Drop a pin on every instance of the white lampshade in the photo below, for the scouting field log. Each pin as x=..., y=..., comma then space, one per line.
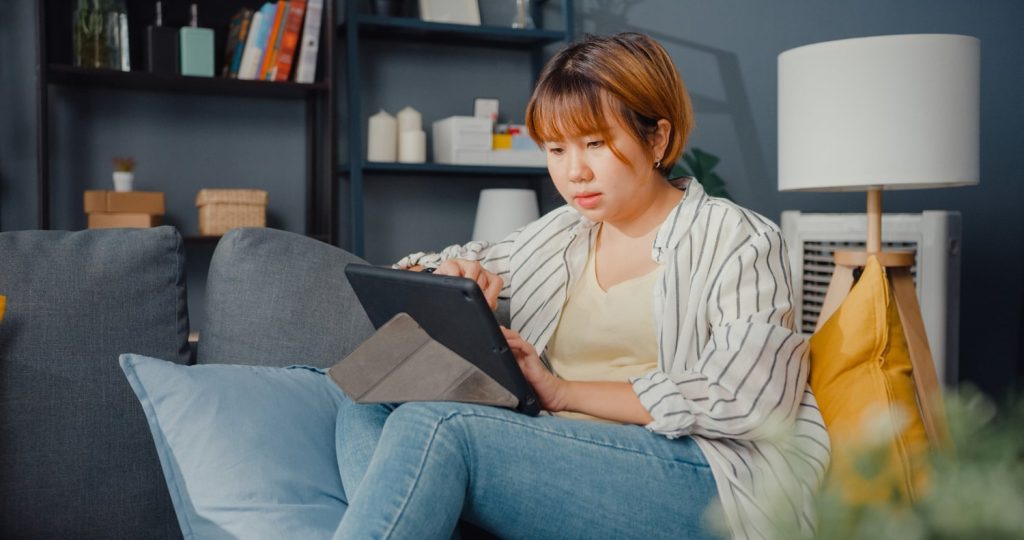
x=501, y=211
x=895, y=112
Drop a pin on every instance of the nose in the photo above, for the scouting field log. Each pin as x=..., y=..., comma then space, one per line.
x=579, y=169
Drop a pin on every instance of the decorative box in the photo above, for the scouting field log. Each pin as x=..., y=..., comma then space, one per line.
x=223, y=209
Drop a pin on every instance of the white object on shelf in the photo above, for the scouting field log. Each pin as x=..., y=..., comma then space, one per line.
x=409, y=119
x=305, y=72
x=496, y=158
x=486, y=108
x=412, y=146
x=457, y=134
x=501, y=211
x=382, y=138
x=450, y=11
x=123, y=180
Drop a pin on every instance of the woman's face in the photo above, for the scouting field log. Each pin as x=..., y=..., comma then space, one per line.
x=595, y=182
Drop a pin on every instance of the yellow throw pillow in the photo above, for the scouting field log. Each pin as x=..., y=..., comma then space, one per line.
x=862, y=377
x=3, y=306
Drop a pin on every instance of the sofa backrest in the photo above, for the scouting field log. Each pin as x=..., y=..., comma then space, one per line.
x=276, y=298
x=76, y=456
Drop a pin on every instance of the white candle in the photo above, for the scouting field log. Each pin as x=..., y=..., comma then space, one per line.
x=409, y=119
x=382, y=138
x=412, y=146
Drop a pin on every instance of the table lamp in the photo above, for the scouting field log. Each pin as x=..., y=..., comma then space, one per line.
x=880, y=113
x=501, y=211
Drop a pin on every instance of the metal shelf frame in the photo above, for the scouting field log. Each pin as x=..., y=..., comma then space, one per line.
x=359, y=27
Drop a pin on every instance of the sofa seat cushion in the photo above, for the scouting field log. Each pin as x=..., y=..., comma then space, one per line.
x=277, y=298
x=77, y=458
x=247, y=451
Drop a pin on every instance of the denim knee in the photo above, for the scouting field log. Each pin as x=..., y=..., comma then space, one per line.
x=440, y=419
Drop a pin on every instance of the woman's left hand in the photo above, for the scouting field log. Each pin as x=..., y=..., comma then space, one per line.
x=550, y=389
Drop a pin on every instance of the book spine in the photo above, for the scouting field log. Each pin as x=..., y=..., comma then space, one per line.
x=253, y=46
x=271, y=49
x=306, y=72
x=243, y=36
x=234, y=35
x=290, y=40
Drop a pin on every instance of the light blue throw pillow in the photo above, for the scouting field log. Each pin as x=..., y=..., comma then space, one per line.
x=247, y=451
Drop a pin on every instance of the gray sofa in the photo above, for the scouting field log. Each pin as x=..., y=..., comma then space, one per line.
x=76, y=456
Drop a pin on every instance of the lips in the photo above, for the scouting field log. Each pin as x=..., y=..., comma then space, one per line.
x=588, y=199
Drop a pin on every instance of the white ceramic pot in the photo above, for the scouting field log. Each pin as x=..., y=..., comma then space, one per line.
x=123, y=180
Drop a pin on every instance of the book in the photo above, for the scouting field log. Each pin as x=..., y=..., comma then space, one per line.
x=289, y=40
x=273, y=40
x=257, y=39
x=306, y=71
x=237, y=29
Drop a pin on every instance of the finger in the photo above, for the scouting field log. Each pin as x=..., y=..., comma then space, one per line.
x=470, y=270
x=447, y=268
x=492, y=290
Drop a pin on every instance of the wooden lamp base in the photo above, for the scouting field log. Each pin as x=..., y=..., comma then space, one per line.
x=897, y=265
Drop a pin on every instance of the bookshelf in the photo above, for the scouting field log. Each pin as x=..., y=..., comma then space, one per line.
x=55, y=69
x=359, y=28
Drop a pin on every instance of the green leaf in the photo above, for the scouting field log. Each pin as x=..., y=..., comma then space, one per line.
x=699, y=164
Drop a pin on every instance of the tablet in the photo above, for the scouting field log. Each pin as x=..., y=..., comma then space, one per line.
x=453, y=311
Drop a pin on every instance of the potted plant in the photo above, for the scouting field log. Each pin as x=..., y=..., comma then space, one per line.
x=699, y=164
x=124, y=173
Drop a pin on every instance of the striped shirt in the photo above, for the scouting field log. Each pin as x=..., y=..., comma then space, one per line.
x=732, y=371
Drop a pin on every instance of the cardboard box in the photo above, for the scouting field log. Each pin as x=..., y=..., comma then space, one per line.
x=132, y=202
x=106, y=220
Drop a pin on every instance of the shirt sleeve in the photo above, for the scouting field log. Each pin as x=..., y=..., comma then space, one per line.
x=750, y=376
x=493, y=256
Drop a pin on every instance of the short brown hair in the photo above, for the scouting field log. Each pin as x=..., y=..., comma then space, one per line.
x=630, y=73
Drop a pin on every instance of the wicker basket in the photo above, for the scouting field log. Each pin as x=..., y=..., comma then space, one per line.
x=223, y=209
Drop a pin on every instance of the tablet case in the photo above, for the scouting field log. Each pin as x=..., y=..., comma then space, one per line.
x=451, y=310
x=401, y=362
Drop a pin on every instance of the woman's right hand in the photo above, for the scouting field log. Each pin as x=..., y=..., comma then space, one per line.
x=489, y=282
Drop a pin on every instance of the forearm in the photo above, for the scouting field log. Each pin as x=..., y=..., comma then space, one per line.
x=614, y=401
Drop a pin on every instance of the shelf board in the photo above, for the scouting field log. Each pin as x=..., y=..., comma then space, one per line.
x=179, y=84
x=409, y=29
x=441, y=168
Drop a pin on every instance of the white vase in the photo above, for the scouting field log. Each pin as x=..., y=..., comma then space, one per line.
x=123, y=180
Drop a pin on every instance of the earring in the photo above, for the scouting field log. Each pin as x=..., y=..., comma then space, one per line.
x=657, y=164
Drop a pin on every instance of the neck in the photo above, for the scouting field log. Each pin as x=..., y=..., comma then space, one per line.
x=654, y=206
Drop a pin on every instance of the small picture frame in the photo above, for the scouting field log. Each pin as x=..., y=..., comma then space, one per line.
x=450, y=11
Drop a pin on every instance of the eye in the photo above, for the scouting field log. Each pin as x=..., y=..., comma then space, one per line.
x=555, y=150
x=595, y=144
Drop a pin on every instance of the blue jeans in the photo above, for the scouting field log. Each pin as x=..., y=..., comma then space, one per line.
x=414, y=470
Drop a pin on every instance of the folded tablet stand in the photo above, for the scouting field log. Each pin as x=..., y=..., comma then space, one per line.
x=401, y=362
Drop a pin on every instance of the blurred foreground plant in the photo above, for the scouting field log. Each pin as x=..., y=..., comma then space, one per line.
x=975, y=491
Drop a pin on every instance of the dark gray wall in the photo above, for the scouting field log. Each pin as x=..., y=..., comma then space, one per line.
x=726, y=51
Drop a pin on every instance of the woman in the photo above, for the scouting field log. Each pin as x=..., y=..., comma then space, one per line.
x=642, y=303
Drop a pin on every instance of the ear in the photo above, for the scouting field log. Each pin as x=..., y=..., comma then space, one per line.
x=659, y=139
